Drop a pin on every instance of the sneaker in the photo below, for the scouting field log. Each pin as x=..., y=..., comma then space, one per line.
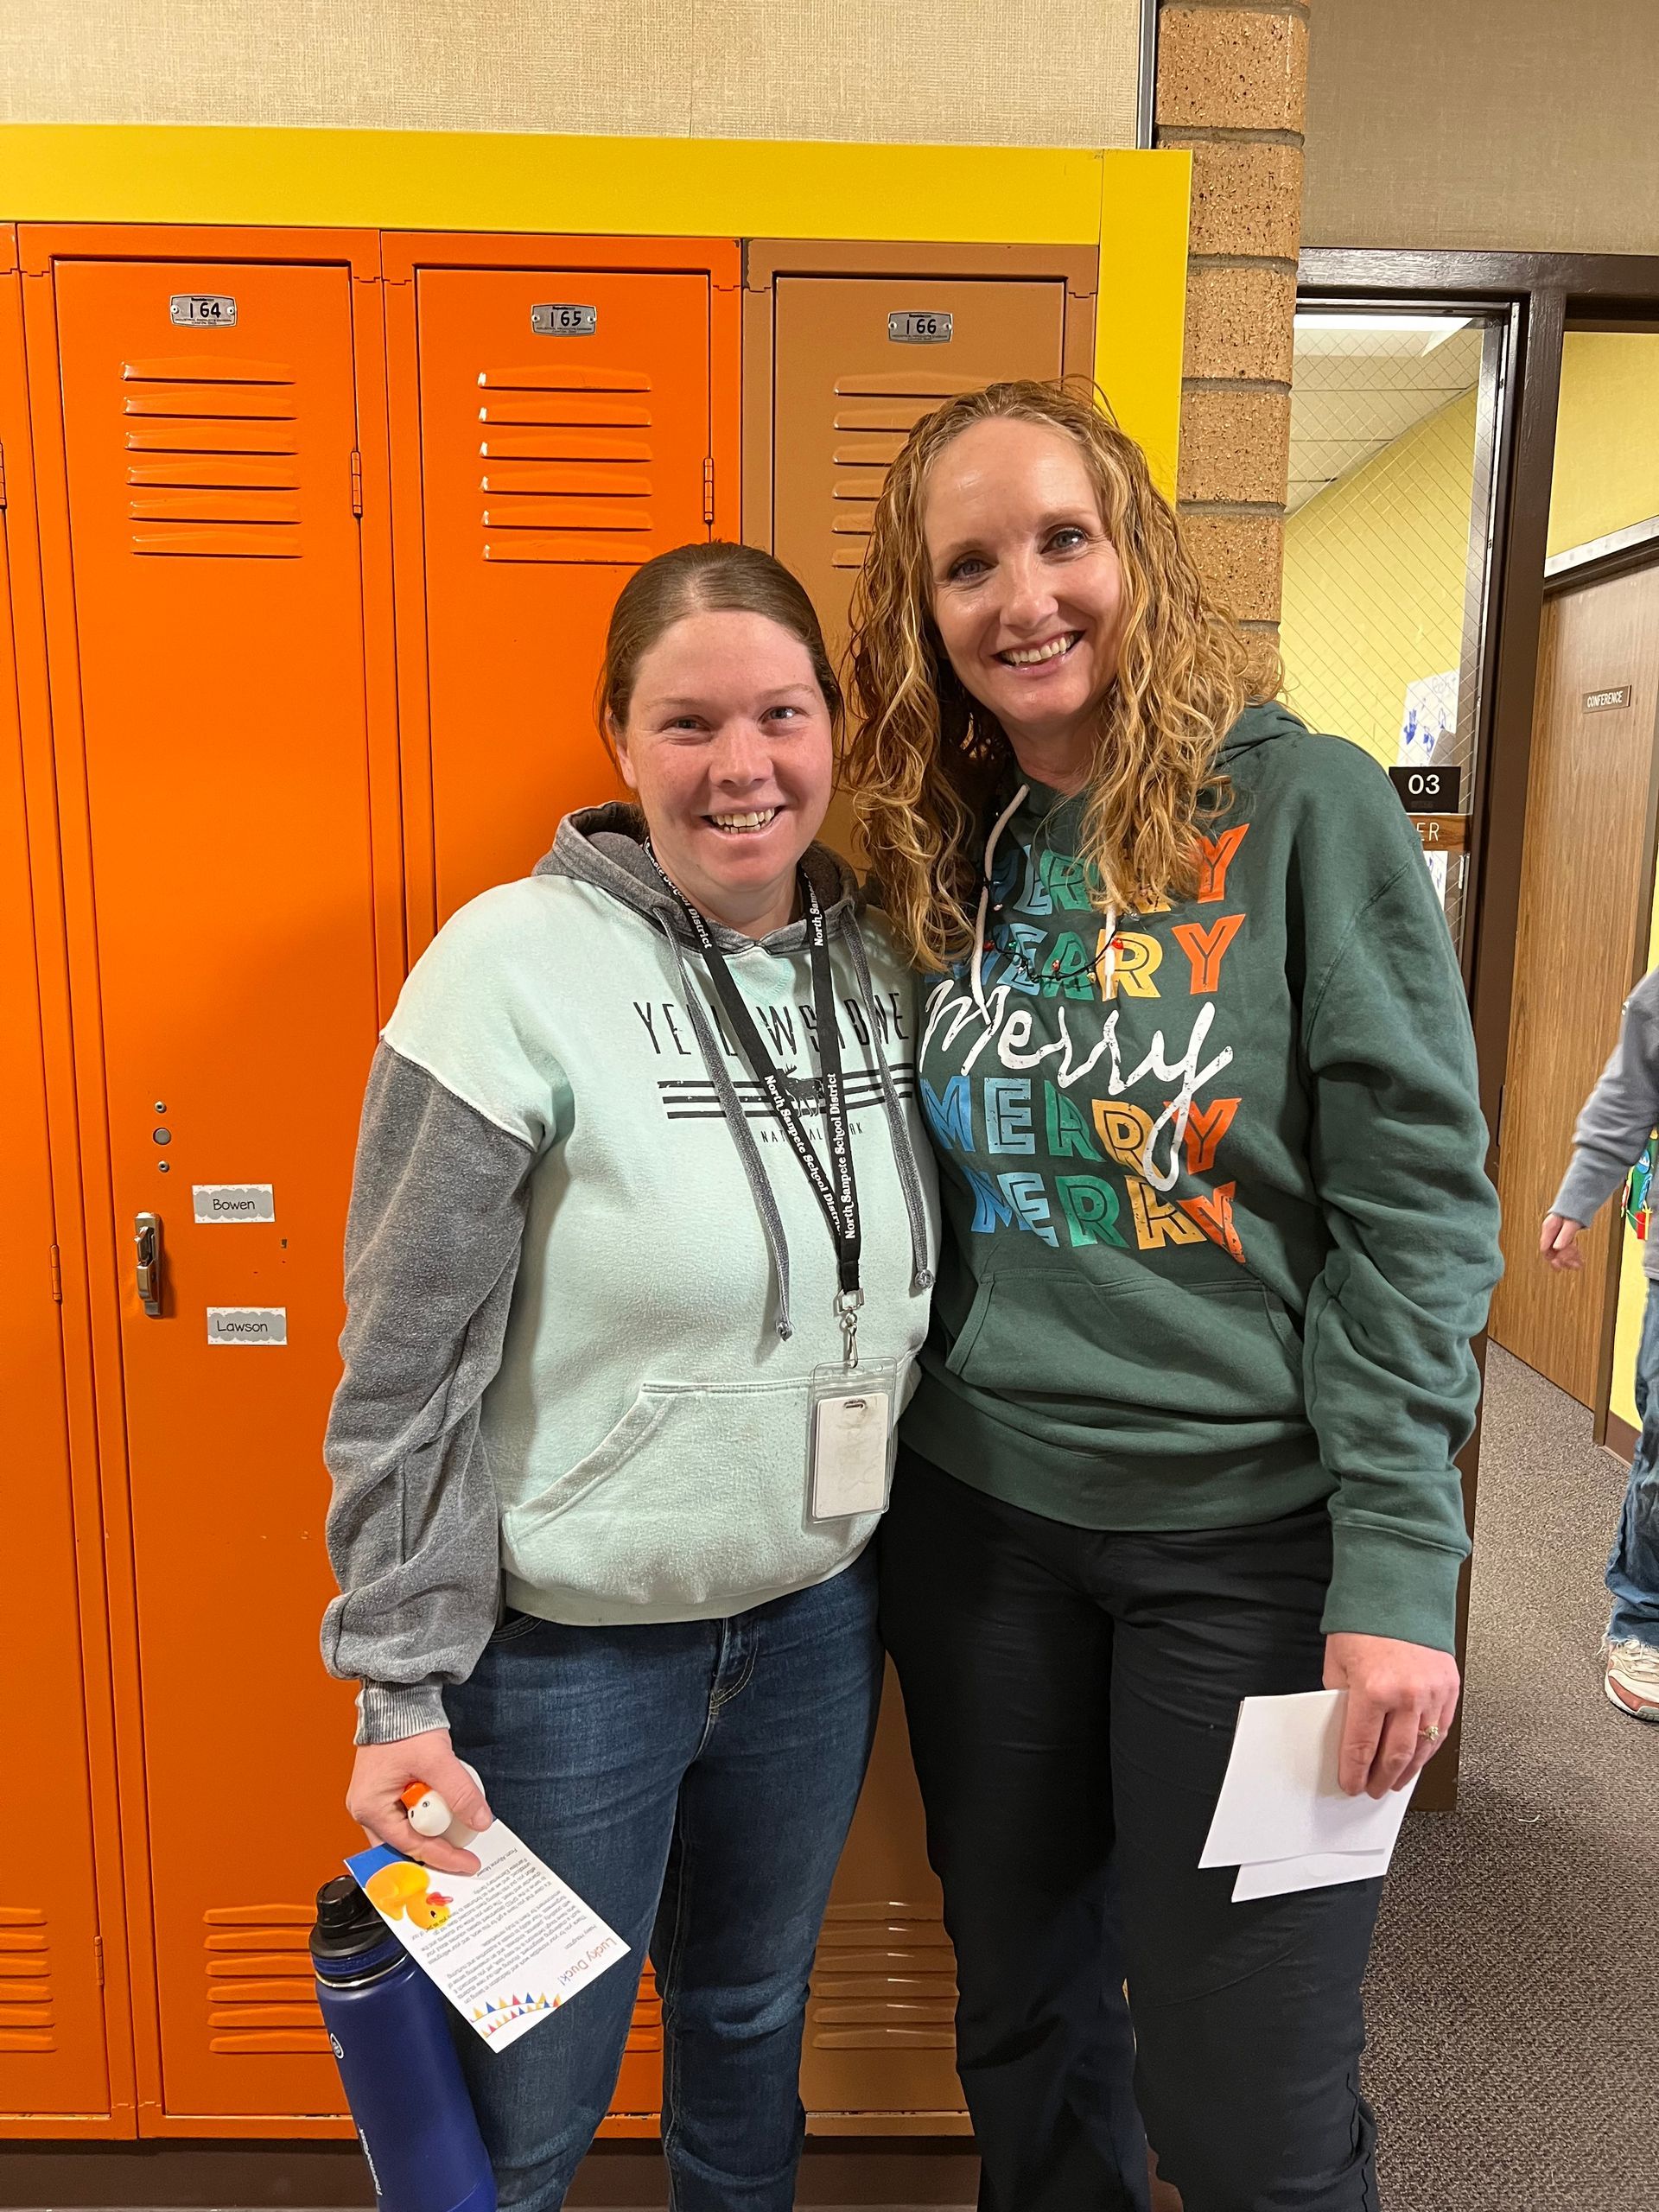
x=1633, y=1678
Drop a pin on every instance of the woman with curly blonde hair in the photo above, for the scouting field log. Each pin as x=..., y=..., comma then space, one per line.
x=1200, y=1075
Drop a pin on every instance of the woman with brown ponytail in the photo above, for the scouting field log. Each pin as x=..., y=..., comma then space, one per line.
x=1200, y=1075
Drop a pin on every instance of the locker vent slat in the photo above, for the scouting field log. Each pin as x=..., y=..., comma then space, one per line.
x=563, y=376
x=27, y=2020
x=884, y=1979
x=261, y=1998
x=565, y=411
x=646, y=2034
x=870, y=418
x=203, y=368
x=223, y=420
x=566, y=469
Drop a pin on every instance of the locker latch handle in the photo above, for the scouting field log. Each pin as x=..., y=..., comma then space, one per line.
x=147, y=1238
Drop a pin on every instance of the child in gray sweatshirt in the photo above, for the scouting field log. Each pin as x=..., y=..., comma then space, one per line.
x=1618, y=1117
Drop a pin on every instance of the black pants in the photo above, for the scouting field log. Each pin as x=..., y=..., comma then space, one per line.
x=1071, y=1697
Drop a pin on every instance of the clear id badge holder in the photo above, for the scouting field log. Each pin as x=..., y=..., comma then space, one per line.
x=852, y=1430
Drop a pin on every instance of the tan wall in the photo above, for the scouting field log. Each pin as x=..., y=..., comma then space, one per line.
x=1231, y=85
x=1049, y=73
x=1520, y=124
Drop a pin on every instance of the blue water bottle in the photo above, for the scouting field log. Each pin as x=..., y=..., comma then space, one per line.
x=390, y=2036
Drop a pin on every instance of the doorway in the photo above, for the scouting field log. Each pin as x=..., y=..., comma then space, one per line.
x=1586, y=896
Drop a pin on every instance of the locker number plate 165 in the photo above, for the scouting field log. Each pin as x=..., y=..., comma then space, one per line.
x=560, y=319
x=906, y=327
x=202, y=310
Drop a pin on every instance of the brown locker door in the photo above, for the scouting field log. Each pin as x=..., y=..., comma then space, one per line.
x=213, y=622
x=880, y=2036
x=551, y=465
x=846, y=391
x=52, y=2048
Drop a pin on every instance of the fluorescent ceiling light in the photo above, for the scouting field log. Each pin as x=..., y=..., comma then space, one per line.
x=1313, y=323
x=1317, y=319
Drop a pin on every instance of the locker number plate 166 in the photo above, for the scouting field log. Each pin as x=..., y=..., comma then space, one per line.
x=202, y=310
x=906, y=327
x=560, y=319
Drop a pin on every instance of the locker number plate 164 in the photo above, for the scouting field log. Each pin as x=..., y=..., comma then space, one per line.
x=202, y=310
x=562, y=319
x=908, y=327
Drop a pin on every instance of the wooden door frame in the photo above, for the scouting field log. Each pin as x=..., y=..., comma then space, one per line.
x=1542, y=294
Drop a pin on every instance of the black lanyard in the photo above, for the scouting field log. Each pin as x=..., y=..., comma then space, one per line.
x=836, y=1189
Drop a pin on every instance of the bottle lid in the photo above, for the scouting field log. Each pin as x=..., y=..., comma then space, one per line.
x=347, y=1925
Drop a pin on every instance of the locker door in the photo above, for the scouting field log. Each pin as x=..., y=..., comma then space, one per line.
x=552, y=464
x=53, y=2058
x=847, y=391
x=211, y=622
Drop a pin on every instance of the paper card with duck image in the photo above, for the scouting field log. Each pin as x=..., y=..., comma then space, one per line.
x=507, y=1945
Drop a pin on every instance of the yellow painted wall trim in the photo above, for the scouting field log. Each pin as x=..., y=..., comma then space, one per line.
x=1133, y=204
x=458, y=181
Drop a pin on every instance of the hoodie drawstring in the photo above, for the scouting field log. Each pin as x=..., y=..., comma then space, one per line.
x=904, y=1159
x=983, y=915
x=1105, y=967
x=742, y=1136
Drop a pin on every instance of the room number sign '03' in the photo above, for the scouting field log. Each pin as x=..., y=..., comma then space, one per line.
x=564, y=319
x=907, y=326
x=203, y=311
x=1428, y=791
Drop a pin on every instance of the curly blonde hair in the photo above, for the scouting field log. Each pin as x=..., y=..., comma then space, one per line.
x=927, y=757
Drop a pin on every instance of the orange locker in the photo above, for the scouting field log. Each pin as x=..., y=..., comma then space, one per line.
x=562, y=408
x=210, y=422
x=55, y=2065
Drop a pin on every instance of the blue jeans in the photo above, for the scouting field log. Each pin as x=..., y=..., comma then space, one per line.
x=694, y=1781
x=1633, y=1570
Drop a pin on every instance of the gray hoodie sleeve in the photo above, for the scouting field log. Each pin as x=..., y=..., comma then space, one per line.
x=1619, y=1114
x=432, y=1247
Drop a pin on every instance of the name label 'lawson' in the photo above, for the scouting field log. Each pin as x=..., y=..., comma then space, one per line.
x=234, y=1201
x=247, y=1325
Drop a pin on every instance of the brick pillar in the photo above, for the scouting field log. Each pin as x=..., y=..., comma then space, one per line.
x=1232, y=81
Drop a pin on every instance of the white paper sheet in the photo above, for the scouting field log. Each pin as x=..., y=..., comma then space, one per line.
x=1322, y=1870
x=507, y=1945
x=1280, y=1800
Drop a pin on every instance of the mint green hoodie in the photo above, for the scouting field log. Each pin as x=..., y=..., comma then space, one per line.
x=1218, y=1231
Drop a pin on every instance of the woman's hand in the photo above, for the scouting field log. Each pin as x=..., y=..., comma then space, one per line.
x=1559, y=1243
x=382, y=1772
x=1396, y=1692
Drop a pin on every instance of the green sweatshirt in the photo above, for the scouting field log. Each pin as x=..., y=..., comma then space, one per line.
x=1218, y=1232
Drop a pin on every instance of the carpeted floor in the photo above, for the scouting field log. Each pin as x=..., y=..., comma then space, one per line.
x=1513, y=1996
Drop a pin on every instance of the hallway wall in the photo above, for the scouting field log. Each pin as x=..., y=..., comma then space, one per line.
x=1375, y=569
x=1499, y=123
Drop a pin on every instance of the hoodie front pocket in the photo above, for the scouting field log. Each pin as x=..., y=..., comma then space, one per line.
x=696, y=1499
x=1213, y=1351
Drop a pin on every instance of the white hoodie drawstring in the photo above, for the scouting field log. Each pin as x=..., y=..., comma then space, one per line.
x=983, y=914
x=1107, y=963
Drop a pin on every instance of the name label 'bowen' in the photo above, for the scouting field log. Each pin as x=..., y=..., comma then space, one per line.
x=234, y=1201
